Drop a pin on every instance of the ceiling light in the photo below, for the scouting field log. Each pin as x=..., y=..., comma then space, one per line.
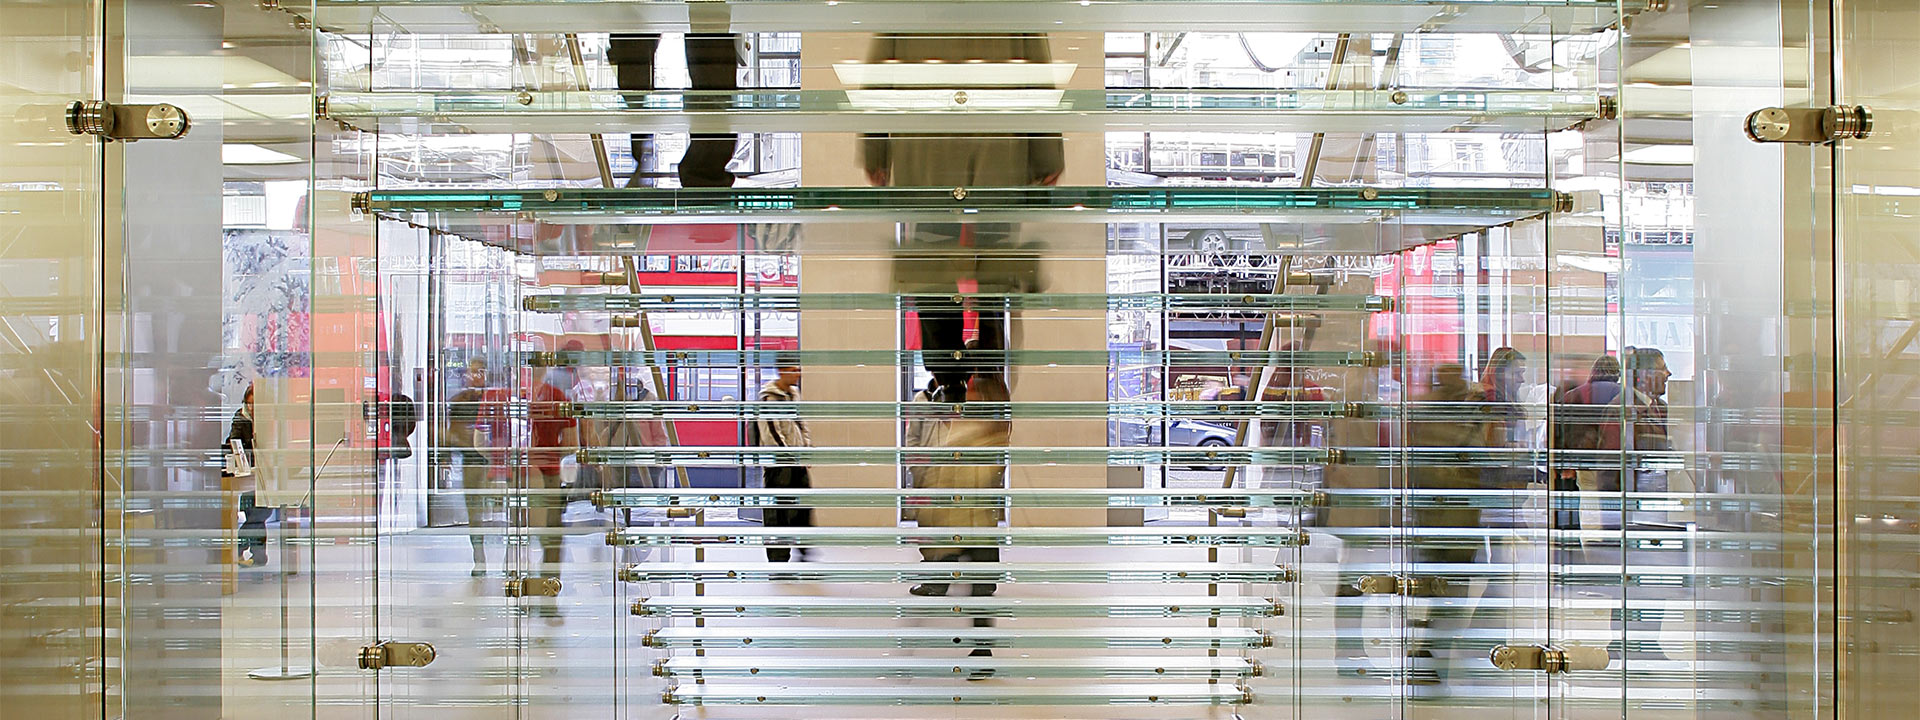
x=1660, y=155
x=248, y=154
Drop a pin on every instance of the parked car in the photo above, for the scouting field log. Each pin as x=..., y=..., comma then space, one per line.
x=1199, y=433
x=1180, y=433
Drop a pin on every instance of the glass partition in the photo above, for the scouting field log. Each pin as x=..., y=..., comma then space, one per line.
x=959, y=358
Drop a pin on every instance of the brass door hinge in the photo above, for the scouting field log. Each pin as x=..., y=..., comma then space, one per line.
x=396, y=654
x=1549, y=659
x=1410, y=586
x=1810, y=126
x=110, y=122
x=527, y=586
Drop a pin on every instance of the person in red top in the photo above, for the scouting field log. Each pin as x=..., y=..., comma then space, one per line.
x=554, y=435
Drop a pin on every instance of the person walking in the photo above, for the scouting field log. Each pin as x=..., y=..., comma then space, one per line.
x=713, y=63
x=769, y=432
x=553, y=435
x=465, y=437
x=633, y=432
x=252, y=546
x=1441, y=510
x=937, y=257
x=963, y=433
x=922, y=431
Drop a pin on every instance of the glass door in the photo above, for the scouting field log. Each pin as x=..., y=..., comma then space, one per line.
x=245, y=575
x=1692, y=553
x=1875, y=269
x=51, y=200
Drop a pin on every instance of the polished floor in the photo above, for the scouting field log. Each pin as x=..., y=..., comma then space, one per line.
x=1687, y=639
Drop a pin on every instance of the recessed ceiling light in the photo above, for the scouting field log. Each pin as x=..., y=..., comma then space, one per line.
x=249, y=154
x=1660, y=155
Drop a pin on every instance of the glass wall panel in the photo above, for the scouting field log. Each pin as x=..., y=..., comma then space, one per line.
x=53, y=660
x=214, y=380
x=1305, y=496
x=1874, y=266
x=961, y=358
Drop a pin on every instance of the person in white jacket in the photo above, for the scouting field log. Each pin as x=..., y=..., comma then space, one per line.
x=791, y=433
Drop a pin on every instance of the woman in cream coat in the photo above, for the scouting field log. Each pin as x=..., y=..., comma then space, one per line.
x=958, y=434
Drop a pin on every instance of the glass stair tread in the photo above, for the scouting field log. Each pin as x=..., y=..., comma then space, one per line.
x=1535, y=499
x=1143, y=409
x=967, y=497
x=970, y=110
x=1154, y=694
x=965, y=638
x=461, y=17
x=1196, y=409
x=958, y=572
x=926, y=607
x=697, y=300
x=1016, y=357
x=1208, y=456
x=1644, y=540
x=733, y=456
x=817, y=457
x=931, y=667
x=626, y=221
x=950, y=536
x=1598, y=694
x=1585, y=575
